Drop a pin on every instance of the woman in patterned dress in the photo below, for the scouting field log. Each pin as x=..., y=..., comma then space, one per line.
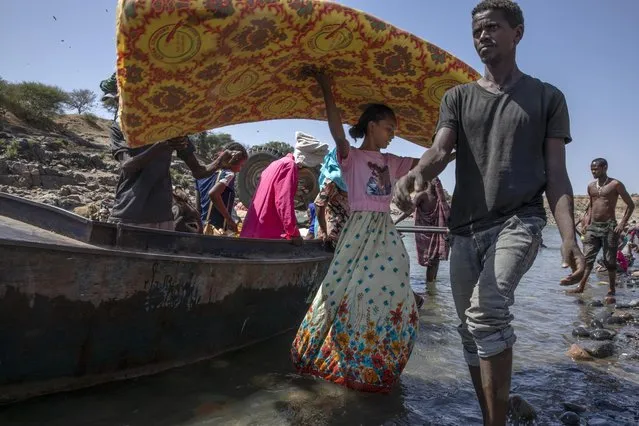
x=360, y=329
x=331, y=202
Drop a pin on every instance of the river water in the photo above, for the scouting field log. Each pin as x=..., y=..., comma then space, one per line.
x=258, y=386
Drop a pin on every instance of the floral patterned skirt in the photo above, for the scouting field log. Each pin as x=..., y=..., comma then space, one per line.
x=361, y=327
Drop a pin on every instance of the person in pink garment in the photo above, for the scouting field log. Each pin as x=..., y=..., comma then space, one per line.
x=272, y=210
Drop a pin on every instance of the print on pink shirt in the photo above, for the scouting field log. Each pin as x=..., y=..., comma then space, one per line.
x=380, y=181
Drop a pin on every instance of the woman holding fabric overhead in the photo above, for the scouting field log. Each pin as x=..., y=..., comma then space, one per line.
x=360, y=329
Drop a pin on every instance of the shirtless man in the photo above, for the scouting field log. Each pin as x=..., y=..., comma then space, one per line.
x=601, y=227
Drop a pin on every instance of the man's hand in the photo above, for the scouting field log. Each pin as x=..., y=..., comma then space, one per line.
x=317, y=73
x=619, y=229
x=572, y=257
x=403, y=190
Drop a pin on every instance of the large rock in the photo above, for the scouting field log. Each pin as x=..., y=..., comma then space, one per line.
x=601, y=350
x=616, y=320
x=570, y=418
x=96, y=161
x=520, y=410
x=50, y=199
x=578, y=353
x=581, y=332
x=108, y=180
x=79, y=178
x=55, y=182
x=602, y=316
x=602, y=334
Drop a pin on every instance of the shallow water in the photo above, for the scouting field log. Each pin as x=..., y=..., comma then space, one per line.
x=258, y=386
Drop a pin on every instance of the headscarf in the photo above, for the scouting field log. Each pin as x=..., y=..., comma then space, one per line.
x=331, y=170
x=309, y=152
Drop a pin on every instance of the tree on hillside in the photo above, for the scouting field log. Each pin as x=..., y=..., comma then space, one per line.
x=38, y=100
x=208, y=144
x=81, y=100
x=280, y=146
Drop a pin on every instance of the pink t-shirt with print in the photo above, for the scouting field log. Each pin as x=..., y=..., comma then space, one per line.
x=370, y=177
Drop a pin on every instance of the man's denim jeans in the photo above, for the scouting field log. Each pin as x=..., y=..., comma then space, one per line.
x=485, y=269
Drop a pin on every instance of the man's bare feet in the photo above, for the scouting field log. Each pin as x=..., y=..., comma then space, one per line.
x=577, y=290
x=571, y=279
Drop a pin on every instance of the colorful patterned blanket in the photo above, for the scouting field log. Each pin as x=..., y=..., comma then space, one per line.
x=186, y=66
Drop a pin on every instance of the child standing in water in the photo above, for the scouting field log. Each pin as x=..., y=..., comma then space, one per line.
x=361, y=327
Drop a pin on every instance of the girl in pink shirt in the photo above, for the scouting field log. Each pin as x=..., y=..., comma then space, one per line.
x=361, y=327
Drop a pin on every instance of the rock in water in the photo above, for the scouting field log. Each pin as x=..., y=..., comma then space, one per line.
x=615, y=320
x=596, y=304
x=596, y=323
x=601, y=334
x=634, y=303
x=601, y=350
x=570, y=418
x=627, y=317
x=520, y=410
x=623, y=306
x=578, y=353
x=576, y=408
x=581, y=332
x=602, y=316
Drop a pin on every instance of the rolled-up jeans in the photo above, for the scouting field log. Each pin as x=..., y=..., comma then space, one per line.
x=485, y=269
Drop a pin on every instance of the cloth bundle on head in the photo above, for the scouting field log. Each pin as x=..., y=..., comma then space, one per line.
x=309, y=152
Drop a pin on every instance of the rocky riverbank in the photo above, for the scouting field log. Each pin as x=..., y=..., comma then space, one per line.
x=70, y=167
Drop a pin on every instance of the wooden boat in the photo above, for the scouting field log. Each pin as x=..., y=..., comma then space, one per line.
x=85, y=302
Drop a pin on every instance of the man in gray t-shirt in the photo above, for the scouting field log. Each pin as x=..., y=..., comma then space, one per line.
x=509, y=131
x=144, y=193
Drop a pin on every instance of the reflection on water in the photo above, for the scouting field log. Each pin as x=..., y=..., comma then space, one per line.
x=257, y=386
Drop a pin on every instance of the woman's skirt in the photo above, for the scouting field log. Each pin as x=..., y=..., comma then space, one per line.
x=361, y=327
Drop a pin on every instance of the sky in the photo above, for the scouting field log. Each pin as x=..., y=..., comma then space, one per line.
x=587, y=48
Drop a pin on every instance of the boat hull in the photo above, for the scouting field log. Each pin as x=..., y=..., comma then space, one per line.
x=74, y=314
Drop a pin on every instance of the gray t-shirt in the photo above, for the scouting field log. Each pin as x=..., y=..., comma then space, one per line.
x=500, y=169
x=146, y=196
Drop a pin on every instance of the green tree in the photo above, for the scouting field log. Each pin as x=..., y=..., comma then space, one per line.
x=280, y=146
x=41, y=99
x=208, y=144
x=81, y=100
x=32, y=101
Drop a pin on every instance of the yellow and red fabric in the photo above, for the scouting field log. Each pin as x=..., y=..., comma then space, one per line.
x=186, y=66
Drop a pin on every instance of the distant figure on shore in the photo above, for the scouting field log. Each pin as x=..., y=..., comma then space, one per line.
x=602, y=229
x=431, y=209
